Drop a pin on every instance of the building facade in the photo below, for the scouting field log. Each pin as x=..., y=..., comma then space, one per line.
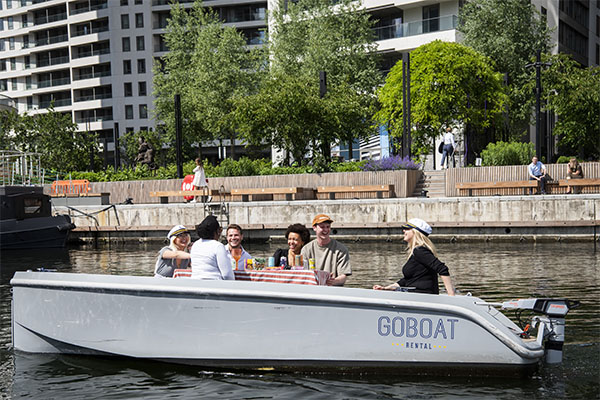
x=93, y=58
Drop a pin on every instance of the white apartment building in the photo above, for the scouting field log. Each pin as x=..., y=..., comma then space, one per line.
x=93, y=58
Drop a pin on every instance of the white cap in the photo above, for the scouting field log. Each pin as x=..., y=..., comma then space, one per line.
x=176, y=230
x=418, y=224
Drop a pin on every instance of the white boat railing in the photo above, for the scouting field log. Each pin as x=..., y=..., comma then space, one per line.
x=21, y=168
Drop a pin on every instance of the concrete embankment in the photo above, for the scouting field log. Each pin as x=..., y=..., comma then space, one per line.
x=507, y=218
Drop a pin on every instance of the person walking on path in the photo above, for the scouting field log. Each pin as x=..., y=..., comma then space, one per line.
x=449, y=146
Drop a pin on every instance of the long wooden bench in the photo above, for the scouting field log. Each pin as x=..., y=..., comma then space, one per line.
x=580, y=183
x=290, y=193
x=500, y=185
x=164, y=195
x=378, y=189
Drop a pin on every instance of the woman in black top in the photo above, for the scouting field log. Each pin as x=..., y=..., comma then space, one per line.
x=297, y=236
x=422, y=267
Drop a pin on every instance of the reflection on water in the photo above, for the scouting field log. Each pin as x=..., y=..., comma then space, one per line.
x=491, y=271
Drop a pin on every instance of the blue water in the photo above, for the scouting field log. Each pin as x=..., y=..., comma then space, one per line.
x=491, y=271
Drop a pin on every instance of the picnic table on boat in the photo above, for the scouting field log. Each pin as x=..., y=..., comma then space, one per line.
x=298, y=277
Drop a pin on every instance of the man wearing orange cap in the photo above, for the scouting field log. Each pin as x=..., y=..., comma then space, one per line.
x=329, y=254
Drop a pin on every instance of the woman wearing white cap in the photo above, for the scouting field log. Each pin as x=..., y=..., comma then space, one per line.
x=175, y=255
x=422, y=267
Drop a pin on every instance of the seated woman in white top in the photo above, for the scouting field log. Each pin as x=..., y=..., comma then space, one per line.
x=209, y=256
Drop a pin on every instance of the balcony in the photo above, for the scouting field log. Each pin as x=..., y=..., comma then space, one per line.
x=57, y=103
x=53, y=61
x=50, y=18
x=414, y=28
x=51, y=40
x=94, y=7
x=54, y=82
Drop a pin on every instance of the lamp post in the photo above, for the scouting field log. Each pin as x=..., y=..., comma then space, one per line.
x=538, y=64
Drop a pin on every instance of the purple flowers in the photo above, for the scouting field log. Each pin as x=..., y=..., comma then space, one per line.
x=390, y=163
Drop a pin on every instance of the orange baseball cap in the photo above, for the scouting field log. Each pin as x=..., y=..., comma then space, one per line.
x=321, y=218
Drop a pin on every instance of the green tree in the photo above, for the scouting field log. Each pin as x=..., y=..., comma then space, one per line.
x=573, y=94
x=209, y=65
x=310, y=36
x=450, y=83
x=510, y=32
x=54, y=135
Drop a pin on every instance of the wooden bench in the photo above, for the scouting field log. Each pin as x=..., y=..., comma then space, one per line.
x=580, y=183
x=290, y=193
x=378, y=189
x=500, y=185
x=164, y=195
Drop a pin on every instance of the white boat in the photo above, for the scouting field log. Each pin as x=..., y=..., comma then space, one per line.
x=250, y=325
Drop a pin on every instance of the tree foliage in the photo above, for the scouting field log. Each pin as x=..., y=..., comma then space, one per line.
x=52, y=134
x=573, y=93
x=307, y=37
x=510, y=32
x=511, y=153
x=209, y=66
x=450, y=83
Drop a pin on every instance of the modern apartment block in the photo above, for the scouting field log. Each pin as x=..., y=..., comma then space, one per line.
x=93, y=58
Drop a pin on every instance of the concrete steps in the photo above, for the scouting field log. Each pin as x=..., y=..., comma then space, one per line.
x=434, y=182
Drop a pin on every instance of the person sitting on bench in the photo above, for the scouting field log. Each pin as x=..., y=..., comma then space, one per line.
x=537, y=171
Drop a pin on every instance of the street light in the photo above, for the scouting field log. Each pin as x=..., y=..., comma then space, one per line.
x=538, y=64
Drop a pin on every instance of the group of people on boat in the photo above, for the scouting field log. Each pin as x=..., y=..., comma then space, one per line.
x=208, y=258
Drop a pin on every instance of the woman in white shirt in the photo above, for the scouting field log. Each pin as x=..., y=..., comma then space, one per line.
x=209, y=256
x=449, y=146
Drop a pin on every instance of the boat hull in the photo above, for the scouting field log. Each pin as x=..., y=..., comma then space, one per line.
x=227, y=324
x=44, y=232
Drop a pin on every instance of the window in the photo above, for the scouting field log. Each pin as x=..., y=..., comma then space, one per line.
x=2, y=65
x=128, y=89
x=13, y=83
x=28, y=82
x=10, y=22
x=126, y=67
x=3, y=85
x=124, y=2
x=30, y=102
x=129, y=129
x=141, y=66
x=139, y=1
x=11, y=43
x=126, y=44
x=8, y=3
x=142, y=91
x=24, y=21
x=139, y=20
x=143, y=111
x=1, y=20
x=27, y=62
x=124, y=21
x=139, y=43
x=129, y=112
x=25, y=41
x=431, y=18
x=13, y=64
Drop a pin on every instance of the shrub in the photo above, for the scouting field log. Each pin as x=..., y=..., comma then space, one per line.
x=507, y=153
x=566, y=159
x=390, y=163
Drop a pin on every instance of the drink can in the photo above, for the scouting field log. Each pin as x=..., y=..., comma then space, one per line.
x=298, y=261
x=250, y=264
x=271, y=262
x=305, y=264
x=283, y=262
x=311, y=263
x=233, y=264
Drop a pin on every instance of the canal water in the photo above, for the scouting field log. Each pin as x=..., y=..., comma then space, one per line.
x=491, y=271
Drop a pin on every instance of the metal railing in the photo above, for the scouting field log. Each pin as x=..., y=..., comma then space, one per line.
x=21, y=168
x=413, y=28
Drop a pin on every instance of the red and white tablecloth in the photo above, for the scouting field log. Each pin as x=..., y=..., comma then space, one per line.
x=299, y=277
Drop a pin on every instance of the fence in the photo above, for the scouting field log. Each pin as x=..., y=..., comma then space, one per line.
x=513, y=173
x=404, y=182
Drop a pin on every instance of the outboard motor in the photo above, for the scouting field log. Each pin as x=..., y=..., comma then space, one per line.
x=550, y=326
